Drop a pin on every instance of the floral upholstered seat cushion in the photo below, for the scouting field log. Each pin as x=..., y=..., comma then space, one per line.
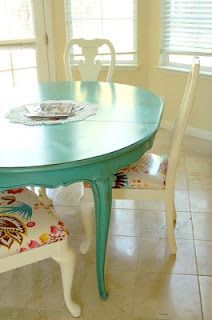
x=26, y=223
x=148, y=173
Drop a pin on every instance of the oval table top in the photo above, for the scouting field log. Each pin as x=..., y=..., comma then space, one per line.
x=126, y=116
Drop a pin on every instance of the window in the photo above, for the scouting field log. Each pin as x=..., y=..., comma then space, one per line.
x=187, y=32
x=23, y=47
x=113, y=20
x=17, y=55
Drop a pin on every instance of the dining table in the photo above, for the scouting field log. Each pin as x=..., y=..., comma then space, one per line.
x=123, y=128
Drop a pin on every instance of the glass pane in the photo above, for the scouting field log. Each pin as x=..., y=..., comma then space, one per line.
x=104, y=49
x=16, y=20
x=93, y=29
x=5, y=62
x=23, y=58
x=87, y=29
x=111, y=31
x=6, y=79
x=118, y=9
x=28, y=76
x=84, y=9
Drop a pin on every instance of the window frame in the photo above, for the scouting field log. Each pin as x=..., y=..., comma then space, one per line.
x=124, y=63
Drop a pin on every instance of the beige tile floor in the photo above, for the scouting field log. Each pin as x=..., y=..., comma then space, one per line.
x=144, y=281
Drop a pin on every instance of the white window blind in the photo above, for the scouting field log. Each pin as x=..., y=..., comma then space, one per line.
x=187, y=27
x=113, y=20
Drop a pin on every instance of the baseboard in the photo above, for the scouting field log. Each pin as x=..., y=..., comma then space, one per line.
x=195, y=132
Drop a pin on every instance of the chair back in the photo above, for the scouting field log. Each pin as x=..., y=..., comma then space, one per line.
x=89, y=68
x=181, y=123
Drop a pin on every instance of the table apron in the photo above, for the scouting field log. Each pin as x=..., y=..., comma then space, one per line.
x=55, y=176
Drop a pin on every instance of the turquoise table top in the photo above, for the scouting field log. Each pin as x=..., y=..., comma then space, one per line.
x=123, y=128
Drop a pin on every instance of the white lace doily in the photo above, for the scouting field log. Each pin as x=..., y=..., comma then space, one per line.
x=17, y=115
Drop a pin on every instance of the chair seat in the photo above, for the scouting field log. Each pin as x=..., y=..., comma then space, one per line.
x=26, y=223
x=148, y=173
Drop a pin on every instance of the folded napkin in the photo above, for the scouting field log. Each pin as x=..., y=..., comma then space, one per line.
x=52, y=109
x=51, y=112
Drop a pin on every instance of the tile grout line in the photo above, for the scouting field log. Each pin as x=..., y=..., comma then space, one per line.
x=198, y=280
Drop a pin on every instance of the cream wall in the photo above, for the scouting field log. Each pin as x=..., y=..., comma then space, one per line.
x=165, y=83
x=171, y=84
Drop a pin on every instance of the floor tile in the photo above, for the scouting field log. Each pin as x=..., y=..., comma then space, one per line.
x=204, y=257
x=37, y=286
x=120, y=286
x=202, y=225
x=14, y=313
x=153, y=224
x=153, y=205
x=127, y=204
x=85, y=290
x=166, y=297
x=201, y=201
x=125, y=222
x=206, y=295
x=197, y=147
x=83, y=262
x=183, y=226
x=198, y=165
x=154, y=256
x=104, y=310
x=182, y=200
x=122, y=253
x=199, y=181
x=181, y=181
x=181, y=163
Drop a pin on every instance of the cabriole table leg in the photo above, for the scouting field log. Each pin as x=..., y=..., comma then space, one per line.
x=102, y=190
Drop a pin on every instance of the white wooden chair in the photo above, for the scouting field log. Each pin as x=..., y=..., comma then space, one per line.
x=153, y=176
x=89, y=69
x=30, y=232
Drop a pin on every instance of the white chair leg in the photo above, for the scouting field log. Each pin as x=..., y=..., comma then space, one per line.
x=169, y=203
x=66, y=261
x=86, y=211
x=43, y=197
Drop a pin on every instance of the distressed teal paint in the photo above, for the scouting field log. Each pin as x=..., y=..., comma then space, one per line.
x=91, y=150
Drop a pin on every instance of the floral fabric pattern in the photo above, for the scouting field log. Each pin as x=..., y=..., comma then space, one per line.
x=148, y=173
x=11, y=229
x=26, y=223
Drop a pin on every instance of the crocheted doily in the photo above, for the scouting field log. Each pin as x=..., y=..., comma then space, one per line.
x=83, y=110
